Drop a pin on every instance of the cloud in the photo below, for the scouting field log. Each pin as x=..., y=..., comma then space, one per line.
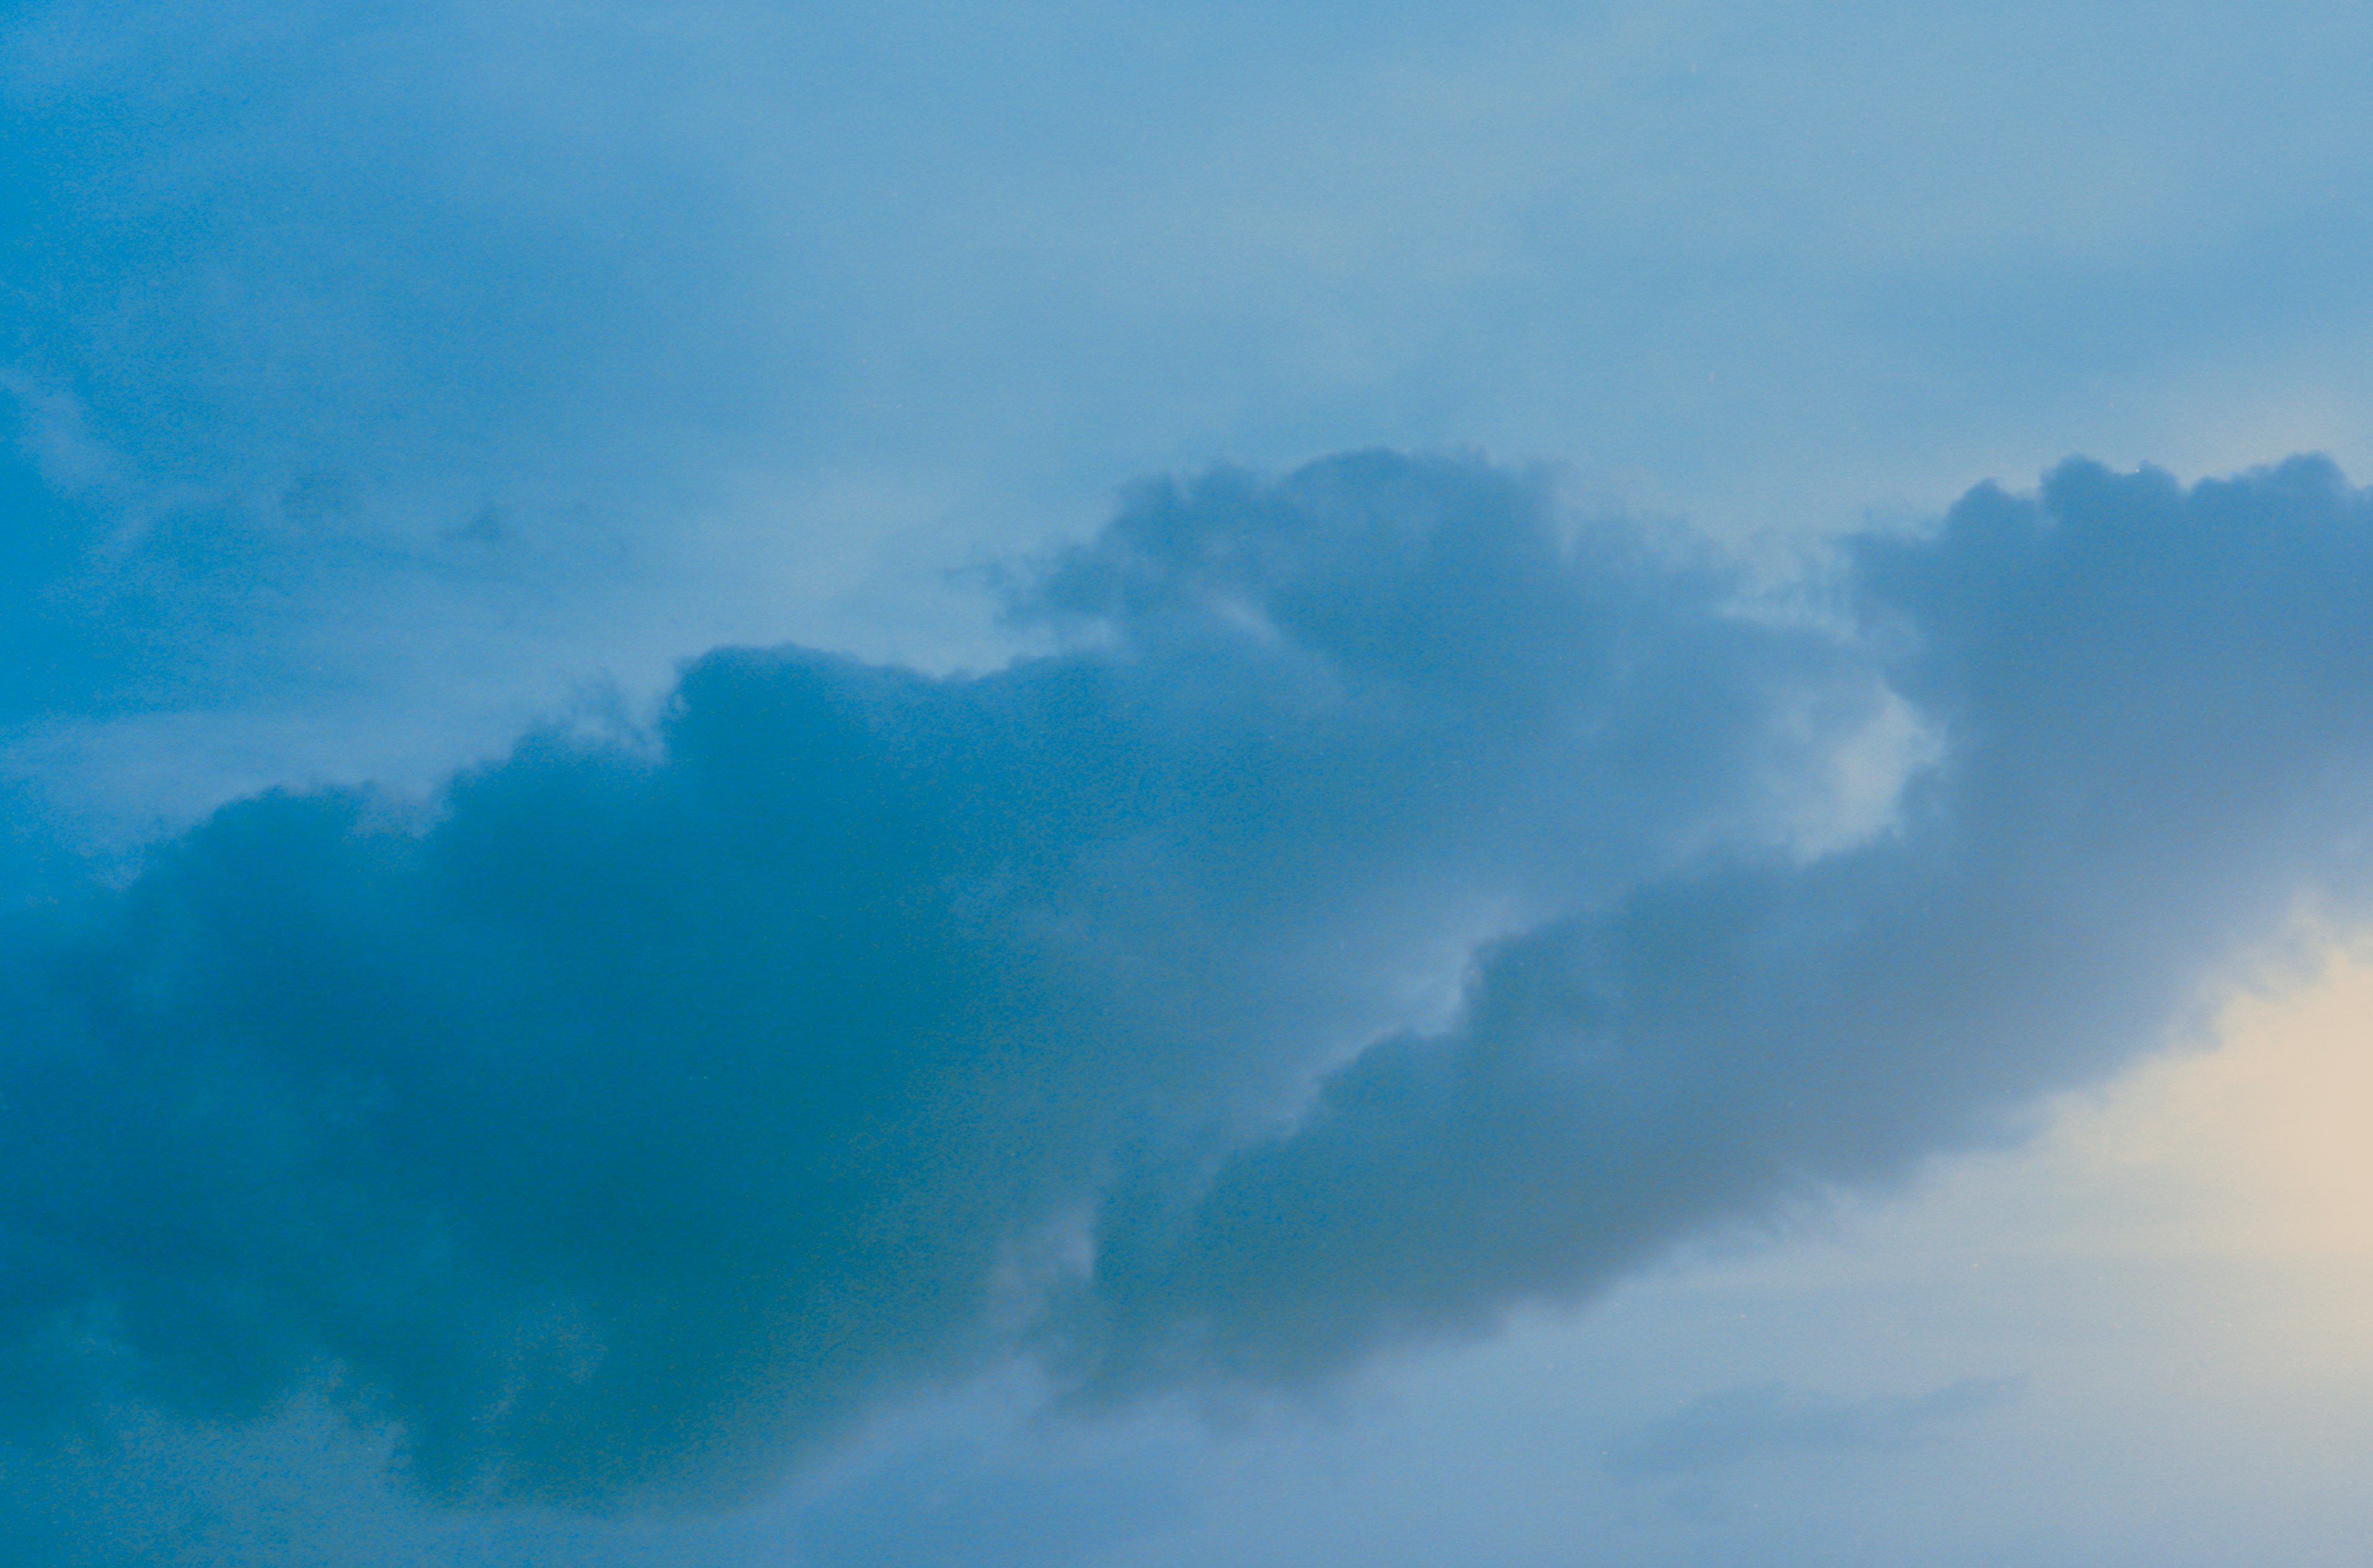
x=1733, y=1425
x=635, y=1116
x=664, y=1100
x=2156, y=718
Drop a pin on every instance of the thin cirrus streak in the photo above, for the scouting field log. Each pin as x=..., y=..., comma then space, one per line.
x=633, y=1124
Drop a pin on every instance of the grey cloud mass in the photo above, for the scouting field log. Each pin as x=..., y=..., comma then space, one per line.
x=2155, y=708
x=629, y=1120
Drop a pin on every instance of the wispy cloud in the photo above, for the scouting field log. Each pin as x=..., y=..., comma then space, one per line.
x=1733, y=1425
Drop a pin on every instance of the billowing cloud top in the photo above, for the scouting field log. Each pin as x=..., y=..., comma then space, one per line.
x=631, y=1120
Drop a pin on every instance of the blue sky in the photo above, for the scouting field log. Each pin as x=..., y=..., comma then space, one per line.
x=1080, y=784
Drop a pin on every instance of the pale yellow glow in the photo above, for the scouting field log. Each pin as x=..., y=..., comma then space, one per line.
x=2262, y=1145
x=2205, y=1217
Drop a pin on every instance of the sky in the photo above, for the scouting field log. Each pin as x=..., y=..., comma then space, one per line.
x=1090, y=784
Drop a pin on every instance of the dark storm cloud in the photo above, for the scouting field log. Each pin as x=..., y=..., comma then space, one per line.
x=659, y=1103
x=663, y=1101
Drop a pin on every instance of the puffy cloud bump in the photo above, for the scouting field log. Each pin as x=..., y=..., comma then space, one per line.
x=632, y=1119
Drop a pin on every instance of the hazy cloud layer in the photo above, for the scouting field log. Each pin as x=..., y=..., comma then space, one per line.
x=634, y=1117
x=373, y=377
